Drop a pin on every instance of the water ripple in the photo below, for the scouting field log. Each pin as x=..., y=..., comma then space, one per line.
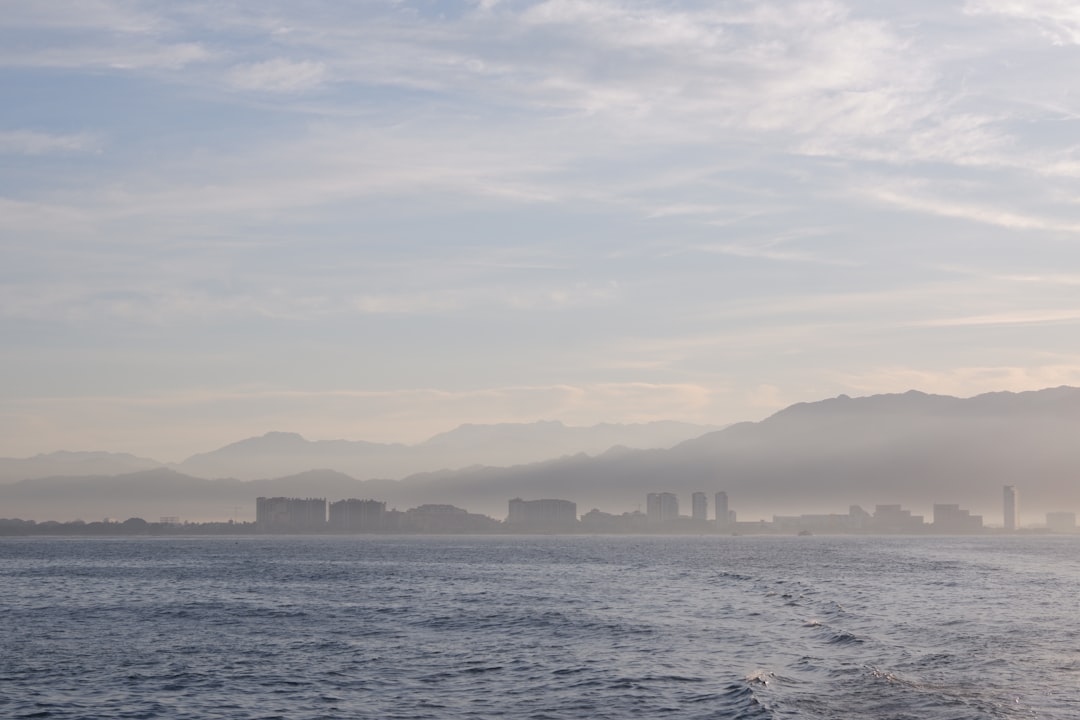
x=755, y=628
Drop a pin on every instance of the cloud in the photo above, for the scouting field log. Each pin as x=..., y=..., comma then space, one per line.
x=1059, y=20
x=279, y=75
x=628, y=80
x=963, y=381
x=621, y=25
x=499, y=297
x=985, y=214
x=806, y=67
x=139, y=55
x=1023, y=317
x=26, y=224
x=114, y=17
x=378, y=157
x=30, y=142
x=769, y=251
x=171, y=299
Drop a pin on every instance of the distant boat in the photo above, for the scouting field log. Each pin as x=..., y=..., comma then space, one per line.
x=805, y=533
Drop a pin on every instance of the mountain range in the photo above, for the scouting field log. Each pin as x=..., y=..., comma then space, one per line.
x=284, y=453
x=280, y=453
x=912, y=448
x=68, y=463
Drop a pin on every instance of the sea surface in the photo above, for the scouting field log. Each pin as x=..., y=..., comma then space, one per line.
x=540, y=627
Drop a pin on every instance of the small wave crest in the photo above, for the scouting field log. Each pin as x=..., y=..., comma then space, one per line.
x=760, y=677
x=743, y=700
x=844, y=638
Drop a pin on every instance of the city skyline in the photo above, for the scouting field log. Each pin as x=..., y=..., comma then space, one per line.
x=662, y=511
x=560, y=516
x=910, y=448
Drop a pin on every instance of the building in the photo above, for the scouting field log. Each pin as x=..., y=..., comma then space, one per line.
x=542, y=515
x=859, y=519
x=814, y=523
x=282, y=514
x=895, y=519
x=723, y=514
x=443, y=519
x=661, y=508
x=357, y=515
x=856, y=520
x=1061, y=522
x=699, y=504
x=950, y=518
x=1011, y=499
x=596, y=521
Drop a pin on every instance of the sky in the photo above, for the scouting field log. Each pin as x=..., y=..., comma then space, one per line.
x=378, y=220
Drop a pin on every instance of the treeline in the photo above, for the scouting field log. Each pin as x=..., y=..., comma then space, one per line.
x=397, y=523
x=131, y=526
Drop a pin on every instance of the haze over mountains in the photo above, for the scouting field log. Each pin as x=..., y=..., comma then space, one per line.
x=278, y=453
x=909, y=448
x=64, y=462
x=283, y=453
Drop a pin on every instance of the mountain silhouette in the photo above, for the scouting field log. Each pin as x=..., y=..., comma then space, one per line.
x=278, y=453
x=911, y=448
x=72, y=463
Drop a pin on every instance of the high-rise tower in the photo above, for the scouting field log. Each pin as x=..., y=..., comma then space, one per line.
x=699, y=504
x=723, y=516
x=661, y=508
x=1010, y=502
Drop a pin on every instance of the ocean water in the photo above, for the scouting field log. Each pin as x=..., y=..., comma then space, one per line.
x=540, y=627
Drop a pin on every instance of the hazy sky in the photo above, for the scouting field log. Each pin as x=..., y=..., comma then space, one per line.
x=377, y=220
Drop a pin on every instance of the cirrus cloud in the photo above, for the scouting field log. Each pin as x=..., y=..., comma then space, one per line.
x=279, y=75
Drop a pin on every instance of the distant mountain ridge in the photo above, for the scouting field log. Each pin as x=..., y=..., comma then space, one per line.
x=72, y=463
x=912, y=448
x=278, y=453
x=285, y=453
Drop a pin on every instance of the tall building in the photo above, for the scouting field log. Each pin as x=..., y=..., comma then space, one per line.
x=282, y=514
x=661, y=508
x=723, y=515
x=542, y=515
x=357, y=515
x=699, y=504
x=1010, y=506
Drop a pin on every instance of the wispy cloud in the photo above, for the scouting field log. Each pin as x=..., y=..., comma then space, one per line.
x=773, y=251
x=1024, y=317
x=965, y=381
x=1059, y=20
x=748, y=199
x=85, y=298
x=985, y=214
x=138, y=56
x=279, y=75
x=30, y=142
x=111, y=15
